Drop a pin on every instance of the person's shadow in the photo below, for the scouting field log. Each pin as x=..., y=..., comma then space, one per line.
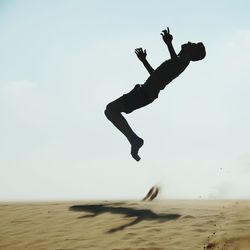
x=138, y=214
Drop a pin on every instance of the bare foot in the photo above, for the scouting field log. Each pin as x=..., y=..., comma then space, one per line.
x=136, y=144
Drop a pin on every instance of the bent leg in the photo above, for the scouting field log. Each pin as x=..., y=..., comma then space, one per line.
x=148, y=194
x=113, y=113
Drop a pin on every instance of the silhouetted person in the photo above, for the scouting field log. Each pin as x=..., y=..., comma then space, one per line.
x=142, y=95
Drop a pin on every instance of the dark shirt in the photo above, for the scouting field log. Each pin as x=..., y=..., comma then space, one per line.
x=163, y=75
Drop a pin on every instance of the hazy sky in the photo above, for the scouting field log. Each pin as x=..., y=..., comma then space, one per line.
x=63, y=61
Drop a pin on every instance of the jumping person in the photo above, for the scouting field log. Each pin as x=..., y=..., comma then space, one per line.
x=142, y=95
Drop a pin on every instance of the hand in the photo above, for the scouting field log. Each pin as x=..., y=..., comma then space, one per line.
x=141, y=54
x=166, y=36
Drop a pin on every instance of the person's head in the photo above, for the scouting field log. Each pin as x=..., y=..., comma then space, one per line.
x=196, y=51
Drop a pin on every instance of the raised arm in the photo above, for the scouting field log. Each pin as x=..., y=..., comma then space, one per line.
x=142, y=57
x=168, y=38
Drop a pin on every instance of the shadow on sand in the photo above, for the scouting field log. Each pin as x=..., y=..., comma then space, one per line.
x=138, y=214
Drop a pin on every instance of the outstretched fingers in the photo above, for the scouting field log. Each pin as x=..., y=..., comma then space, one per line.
x=165, y=32
x=166, y=36
x=141, y=53
x=138, y=50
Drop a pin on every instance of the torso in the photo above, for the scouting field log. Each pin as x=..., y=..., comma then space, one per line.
x=163, y=75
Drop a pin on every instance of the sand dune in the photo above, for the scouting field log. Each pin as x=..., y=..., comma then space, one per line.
x=126, y=225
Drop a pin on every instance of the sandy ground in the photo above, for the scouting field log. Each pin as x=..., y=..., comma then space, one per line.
x=125, y=225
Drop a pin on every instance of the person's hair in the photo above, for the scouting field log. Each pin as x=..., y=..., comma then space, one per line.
x=199, y=52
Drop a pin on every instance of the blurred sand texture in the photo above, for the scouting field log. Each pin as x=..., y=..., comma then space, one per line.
x=126, y=225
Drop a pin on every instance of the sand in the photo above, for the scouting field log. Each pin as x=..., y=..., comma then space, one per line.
x=126, y=225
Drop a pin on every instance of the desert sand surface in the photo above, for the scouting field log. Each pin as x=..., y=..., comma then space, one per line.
x=126, y=225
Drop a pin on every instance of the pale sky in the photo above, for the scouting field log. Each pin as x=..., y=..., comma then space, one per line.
x=63, y=61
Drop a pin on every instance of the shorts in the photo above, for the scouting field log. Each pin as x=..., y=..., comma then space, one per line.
x=135, y=99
